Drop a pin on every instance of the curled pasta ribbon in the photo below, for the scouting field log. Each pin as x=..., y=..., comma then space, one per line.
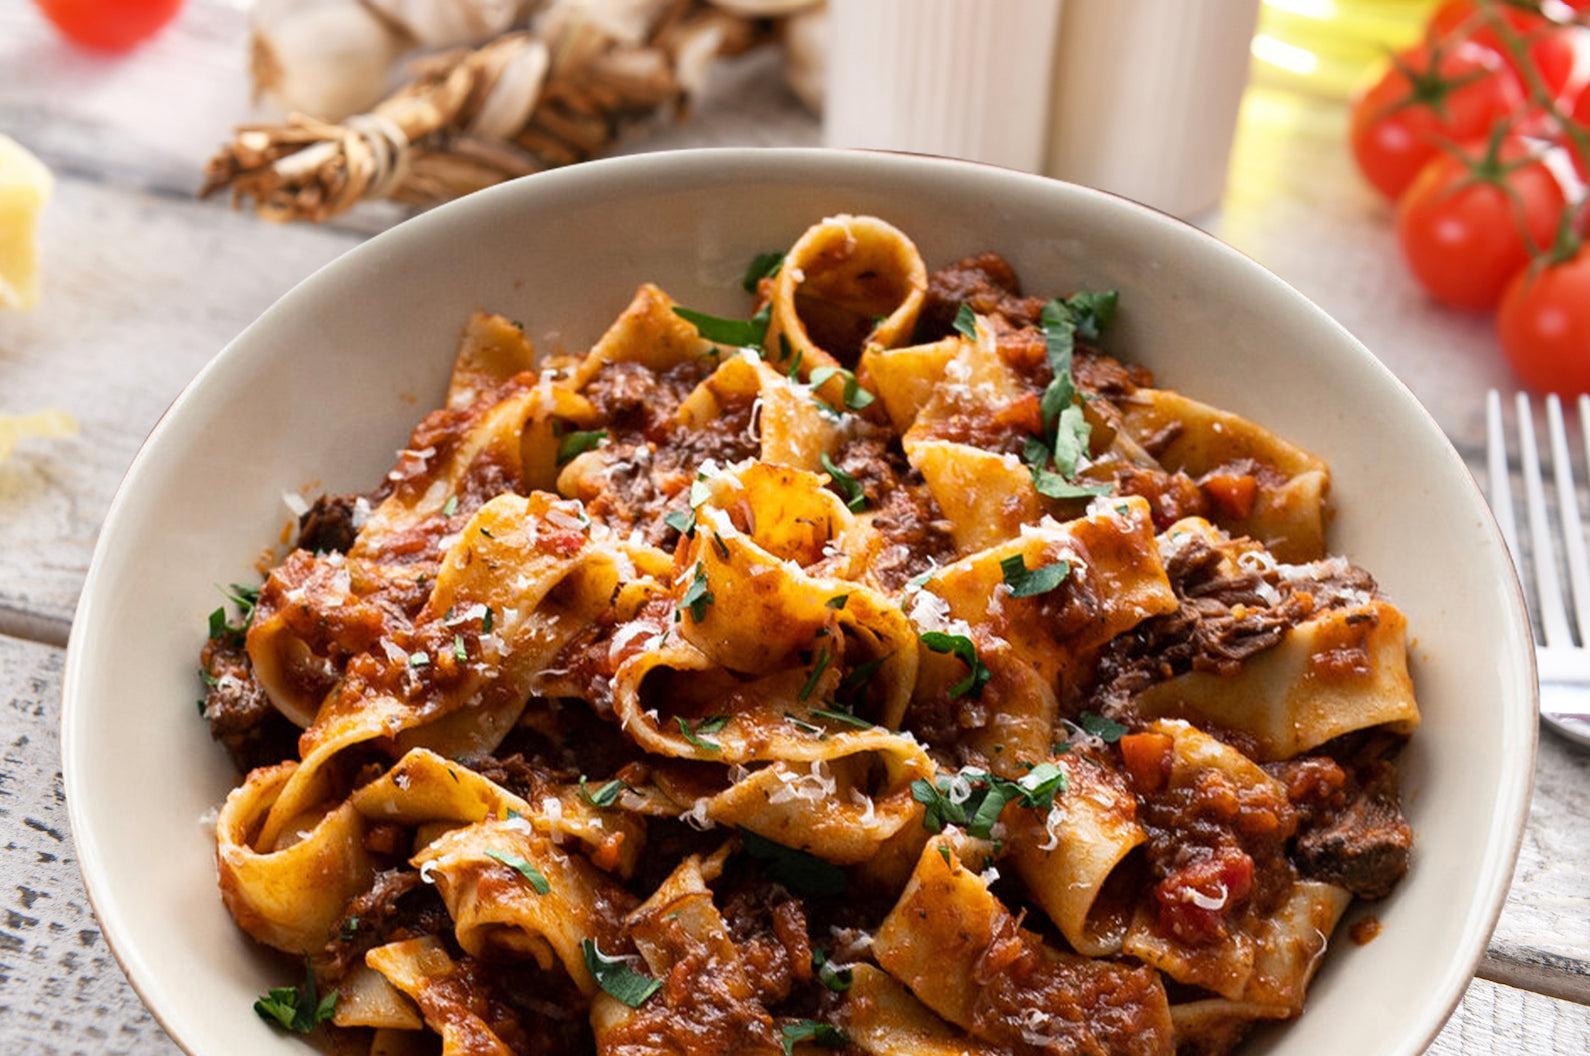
x=1261, y=959
x=848, y=282
x=422, y=969
x=288, y=892
x=947, y=928
x=681, y=935
x=647, y=332
x=1287, y=510
x=512, y=892
x=792, y=429
x=1066, y=856
x=425, y=789
x=530, y=564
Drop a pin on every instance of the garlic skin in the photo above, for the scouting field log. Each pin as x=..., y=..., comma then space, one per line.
x=765, y=8
x=806, y=55
x=449, y=23
x=325, y=58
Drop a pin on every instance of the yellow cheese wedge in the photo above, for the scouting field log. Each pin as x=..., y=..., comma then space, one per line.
x=24, y=188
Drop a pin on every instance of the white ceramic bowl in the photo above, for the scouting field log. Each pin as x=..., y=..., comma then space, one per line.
x=322, y=389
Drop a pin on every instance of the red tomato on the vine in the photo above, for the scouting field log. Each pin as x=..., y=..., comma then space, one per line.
x=1548, y=46
x=1470, y=221
x=1544, y=326
x=109, y=25
x=1452, y=92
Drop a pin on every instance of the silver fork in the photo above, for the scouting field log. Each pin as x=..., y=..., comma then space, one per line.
x=1562, y=655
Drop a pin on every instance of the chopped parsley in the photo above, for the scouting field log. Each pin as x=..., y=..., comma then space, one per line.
x=697, y=596
x=837, y=601
x=245, y=598
x=683, y=522
x=741, y=333
x=804, y=874
x=538, y=882
x=459, y=652
x=297, y=1008
x=824, y=1034
x=855, y=397
x=1106, y=729
x=861, y=674
x=450, y=507
x=349, y=929
x=720, y=546
x=485, y=621
x=966, y=322
x=710, y=724
x=578, y=442
x=419, y=659
x=762, y=266
x=849, y=487
x=985, y=798
x=818, y=667
x=944, y=853
x=1066, y=429
x=614, y=975
x=606, y=794
x=207, y=678
x=960, y=647
x=836, y=979
x=1027, y=582
x=842, y=716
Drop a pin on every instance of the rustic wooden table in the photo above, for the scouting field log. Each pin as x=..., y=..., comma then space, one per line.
x=144, y=284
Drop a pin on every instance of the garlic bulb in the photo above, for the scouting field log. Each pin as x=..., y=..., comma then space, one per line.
x=447, y=23
x=325, y=58
x=806, y=55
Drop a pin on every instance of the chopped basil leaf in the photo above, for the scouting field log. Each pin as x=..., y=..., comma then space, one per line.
x=1041, y=784
x=606, y=794
x=1027, y=582
x=579, y=442
x=697, y=596
x=419, y=659
x=837, y=601
x=960, y=647
x=855, y=397
x=450, y=507
x=683, y=522
x=1092, y=311
x=784, y=353
x=941, y=809
x=487, y=533
x=1106, y=729
x=804, y=874
x=985, y=797
x=614, y=975
x=818, y=668
x=485, y=621
x=762, y=266
x=843, y=716
x=1055, y=486
x=297, y=1008
x=538, y=882
x=966, y=322
x=711, y=724
x=859, y=674
x=944, y=853
x=700, y=491
x=459, y=652
x=720, y=546
x=848, y=486
x=741, y=333
x=208, y=679
x=824, y=1034
x=1070, y=440
x=836, y=979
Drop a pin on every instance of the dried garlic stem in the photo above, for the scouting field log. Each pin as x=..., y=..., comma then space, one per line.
x=471, y=118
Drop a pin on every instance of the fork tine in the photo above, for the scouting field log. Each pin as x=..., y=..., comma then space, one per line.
x=1497, y=477
x=1568, y=511
x=1553, y=618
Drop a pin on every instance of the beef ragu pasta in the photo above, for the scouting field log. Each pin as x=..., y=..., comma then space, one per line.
x=892, y=670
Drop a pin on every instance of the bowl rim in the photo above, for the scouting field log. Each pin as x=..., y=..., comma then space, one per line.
x=1515, y=783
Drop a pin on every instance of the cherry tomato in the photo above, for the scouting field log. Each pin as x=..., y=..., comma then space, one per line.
x=1549, y=47
x=109, y=25
x=1544, y=326
x=1462, y=224
x=1453, y=92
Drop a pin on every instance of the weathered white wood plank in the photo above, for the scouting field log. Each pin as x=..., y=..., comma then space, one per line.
x=1501, y=1021
x=61, y=991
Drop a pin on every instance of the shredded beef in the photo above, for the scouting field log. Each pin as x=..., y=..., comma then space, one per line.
x=1358, y=837
x=398, y=905
x=769, y=928
x=327, y=526
x=240, y=715
x=987, y=283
